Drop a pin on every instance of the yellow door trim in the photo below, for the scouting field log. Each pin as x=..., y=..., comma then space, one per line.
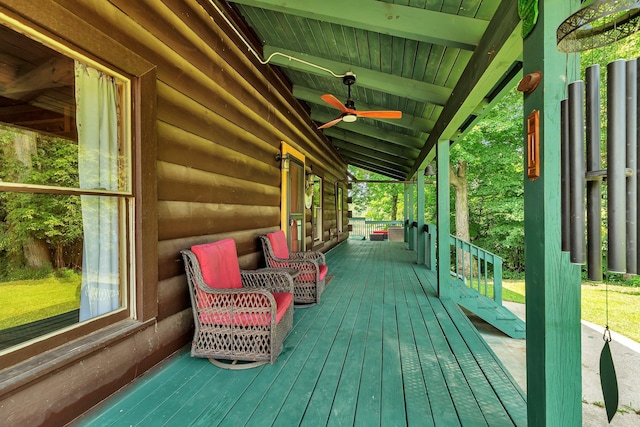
x=287, y=152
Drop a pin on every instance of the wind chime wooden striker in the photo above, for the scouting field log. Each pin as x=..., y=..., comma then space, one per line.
x=602, y=23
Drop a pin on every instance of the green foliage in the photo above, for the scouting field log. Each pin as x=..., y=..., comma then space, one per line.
x=56, y=219
x=375, y=201
x=493, y=150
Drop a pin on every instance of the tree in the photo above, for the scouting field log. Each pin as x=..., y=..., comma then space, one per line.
x=492, y=152
x=34, y=225
x=376, y=201
x=458, y=179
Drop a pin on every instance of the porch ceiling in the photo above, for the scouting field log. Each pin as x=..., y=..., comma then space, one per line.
x=442, y=63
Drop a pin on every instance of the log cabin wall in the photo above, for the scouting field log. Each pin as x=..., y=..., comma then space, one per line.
x=218, y=123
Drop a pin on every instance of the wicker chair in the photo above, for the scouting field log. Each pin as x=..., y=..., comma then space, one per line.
x=238, y=315
x=308, y=285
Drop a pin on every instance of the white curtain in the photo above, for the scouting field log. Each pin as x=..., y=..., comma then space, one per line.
x=97, y=122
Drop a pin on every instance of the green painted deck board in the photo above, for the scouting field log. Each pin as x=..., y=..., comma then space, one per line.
x=368, y=404
x=322, y=398
x=344, y=403
x=379, y=349
x=418, y=407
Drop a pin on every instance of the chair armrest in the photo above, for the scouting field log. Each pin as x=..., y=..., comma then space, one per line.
x=271, y=279
x=310, y=256
x=303, y=265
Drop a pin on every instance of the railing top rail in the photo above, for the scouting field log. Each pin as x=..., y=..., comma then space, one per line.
x=491, y=256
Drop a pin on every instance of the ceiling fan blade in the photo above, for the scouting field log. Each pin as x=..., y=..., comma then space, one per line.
x=334, y=102
x=331, y=123
x=379, y=114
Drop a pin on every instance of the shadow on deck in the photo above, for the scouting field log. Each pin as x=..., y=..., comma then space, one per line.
x=380, y=349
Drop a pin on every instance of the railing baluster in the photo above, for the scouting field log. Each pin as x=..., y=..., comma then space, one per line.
x=484, y=258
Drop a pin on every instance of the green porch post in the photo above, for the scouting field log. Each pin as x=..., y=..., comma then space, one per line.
x=554, y=387
x=406, y=213
x=412, y=243
x=444, y=220
x=420, y=246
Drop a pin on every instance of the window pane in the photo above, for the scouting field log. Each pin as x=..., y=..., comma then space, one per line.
x=32, y=158
x=60, y=252
x=43, y=118
x=317, y=208
x=63, y=127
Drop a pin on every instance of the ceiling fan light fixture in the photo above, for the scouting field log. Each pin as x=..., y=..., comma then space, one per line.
x=349, y=118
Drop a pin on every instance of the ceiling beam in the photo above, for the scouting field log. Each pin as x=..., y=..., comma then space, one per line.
x=374, y=168
x=368, y=130
x=374, y=154
x=367, y=78
x=374, y=161
x=407, y=121
x=386, y=18
x=487, y=106
x=55, y=73
x=373, y=143
x=500, y=47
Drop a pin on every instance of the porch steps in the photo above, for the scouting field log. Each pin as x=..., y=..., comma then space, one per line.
x=488, y=310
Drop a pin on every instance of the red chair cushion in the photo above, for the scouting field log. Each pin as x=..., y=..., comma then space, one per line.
x=279, y=244
x=219, y=264
x=323, y=271
x=309, y=277
x=283, y=301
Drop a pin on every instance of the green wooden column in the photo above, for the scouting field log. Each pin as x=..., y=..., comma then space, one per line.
x=411, y=207
x=420, y=246
x=554, y=387
x=406, y=213
x=444, y=219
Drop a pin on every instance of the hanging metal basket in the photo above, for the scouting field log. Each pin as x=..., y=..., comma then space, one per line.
x=599, y=24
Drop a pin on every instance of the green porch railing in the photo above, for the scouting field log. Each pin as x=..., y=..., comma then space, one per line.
x=365, y=227
x=479, y=269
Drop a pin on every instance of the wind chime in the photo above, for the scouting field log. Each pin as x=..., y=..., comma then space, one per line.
x=602, y=23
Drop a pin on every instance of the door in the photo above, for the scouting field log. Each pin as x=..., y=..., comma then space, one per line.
x=339, y=209
x=292, y=204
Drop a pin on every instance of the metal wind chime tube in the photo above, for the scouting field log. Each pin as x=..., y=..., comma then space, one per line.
x=636, y=109
x=632, y=164
x=594, y=186
x=621, y=173
x=576, y=171
x=616, y=167
x=564, y=177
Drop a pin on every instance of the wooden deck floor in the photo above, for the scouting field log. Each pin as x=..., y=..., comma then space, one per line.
x=379, y=350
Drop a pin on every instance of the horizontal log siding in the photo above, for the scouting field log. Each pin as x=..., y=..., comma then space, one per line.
x=48, y=401
x=220, y=120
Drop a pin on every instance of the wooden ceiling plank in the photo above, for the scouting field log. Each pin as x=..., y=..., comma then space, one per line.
x=373, y=143
x=373, y=168
x=497, y=51
x=386, y=18
x=375, y=80
x=373, y=154
x=374, y=161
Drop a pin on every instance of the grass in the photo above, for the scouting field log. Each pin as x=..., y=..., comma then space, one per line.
x=25, y=301
x=624, y=305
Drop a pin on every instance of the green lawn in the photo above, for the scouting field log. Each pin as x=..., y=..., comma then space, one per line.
x=624, y=305
x=26, y=301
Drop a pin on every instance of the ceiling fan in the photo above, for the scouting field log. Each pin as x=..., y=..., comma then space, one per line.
x=349, y=114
